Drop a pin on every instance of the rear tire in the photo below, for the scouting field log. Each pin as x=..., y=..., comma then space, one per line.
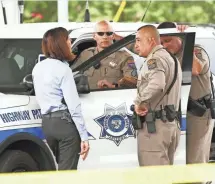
x=17, y=161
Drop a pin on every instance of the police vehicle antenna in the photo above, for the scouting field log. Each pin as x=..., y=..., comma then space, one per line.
x=87, y=13
x=146, y=11
x=4, y=13
x=21, y=9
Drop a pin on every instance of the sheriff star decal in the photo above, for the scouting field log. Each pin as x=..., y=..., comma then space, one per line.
x=115, y=124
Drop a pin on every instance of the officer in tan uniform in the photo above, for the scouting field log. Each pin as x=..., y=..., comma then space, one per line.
x=159, y=137
x=109, y=72
x=199, y=124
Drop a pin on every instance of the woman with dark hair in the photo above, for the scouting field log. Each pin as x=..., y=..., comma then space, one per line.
x=62, y=123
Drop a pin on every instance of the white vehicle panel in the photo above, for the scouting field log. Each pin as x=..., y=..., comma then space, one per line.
x=9, y=101
x=111, y=148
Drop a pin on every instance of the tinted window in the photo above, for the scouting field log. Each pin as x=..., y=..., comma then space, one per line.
x=17, y=59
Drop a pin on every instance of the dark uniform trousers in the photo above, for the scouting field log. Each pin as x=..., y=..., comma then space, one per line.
x=63, y=138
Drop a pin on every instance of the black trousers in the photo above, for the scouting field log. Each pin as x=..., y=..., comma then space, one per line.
x=64, y=140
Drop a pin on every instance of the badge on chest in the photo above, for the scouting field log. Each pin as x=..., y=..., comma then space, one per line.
x=112, y=64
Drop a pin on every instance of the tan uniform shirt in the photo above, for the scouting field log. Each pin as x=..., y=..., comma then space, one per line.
x=112, y=68
x=200, y=85
x=154, y=79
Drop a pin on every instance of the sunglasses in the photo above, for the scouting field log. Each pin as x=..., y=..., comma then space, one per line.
x=102, y=33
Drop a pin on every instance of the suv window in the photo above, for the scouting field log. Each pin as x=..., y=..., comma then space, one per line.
x=189, y=39
x=17, y=59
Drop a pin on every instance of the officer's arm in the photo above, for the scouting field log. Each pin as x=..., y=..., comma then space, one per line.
x=156, y=82
x=129, y=67
x=72, y=100
x=129, y=70
x=200, y=60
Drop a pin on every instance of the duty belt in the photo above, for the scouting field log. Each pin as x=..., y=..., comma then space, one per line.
x=199, y=107
x=205, y=102
x=158, y=114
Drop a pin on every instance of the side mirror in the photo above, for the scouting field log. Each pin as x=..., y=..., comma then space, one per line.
x=28, y=81
x=82, y=84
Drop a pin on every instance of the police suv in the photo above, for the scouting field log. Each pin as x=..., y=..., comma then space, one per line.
x=106, y=111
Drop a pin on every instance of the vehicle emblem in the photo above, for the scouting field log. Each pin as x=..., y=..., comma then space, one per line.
x=115, y=124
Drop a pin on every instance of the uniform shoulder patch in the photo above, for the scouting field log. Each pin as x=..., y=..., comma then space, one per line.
x=152, y=64
x=130, y=62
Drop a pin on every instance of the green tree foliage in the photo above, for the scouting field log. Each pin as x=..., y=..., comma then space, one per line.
x=47, y=9
x=178, y=11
